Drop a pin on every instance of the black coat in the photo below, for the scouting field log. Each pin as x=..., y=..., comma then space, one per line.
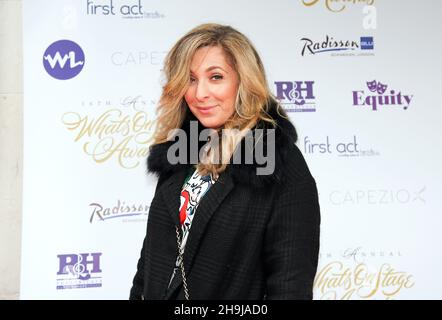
x=253, y=237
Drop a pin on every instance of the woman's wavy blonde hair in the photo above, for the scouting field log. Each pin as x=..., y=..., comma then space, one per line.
x=253, y=95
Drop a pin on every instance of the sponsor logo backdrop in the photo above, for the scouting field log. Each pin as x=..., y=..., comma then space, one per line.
x=358, y=78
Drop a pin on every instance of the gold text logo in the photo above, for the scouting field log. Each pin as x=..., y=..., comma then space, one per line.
x=337, y=5
x=123, y=134
x=336, y=281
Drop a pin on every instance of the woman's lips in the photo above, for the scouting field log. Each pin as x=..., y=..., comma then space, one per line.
x=206, y=110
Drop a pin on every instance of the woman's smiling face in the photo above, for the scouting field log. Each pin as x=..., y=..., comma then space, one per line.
x=213, y=86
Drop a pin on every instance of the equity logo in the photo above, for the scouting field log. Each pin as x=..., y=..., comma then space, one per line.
x=63, y=59
x=378, y=97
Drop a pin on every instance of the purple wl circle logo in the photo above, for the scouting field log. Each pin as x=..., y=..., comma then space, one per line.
x=63, y=59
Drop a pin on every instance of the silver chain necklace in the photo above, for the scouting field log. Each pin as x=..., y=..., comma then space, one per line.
x=181, y=255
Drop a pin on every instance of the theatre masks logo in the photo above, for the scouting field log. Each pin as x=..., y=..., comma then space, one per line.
x=79, y=271
x=379, y=98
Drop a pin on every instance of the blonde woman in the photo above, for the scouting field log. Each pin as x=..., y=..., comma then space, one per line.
x=235, y=213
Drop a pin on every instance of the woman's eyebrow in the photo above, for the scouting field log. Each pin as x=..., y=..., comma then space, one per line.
x=212, y=68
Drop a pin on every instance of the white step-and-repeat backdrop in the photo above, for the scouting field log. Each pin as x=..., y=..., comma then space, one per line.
x=360, y=79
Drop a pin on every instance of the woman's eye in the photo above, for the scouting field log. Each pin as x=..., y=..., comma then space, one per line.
x=192, y=80
x=217, y=77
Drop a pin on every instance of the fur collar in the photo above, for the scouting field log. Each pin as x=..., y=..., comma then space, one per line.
x=285, y=134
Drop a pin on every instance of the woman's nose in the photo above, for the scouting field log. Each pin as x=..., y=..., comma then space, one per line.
x=202, y=90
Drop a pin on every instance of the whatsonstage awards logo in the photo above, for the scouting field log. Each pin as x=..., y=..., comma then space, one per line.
x=360, y=274
x=336, y=5
x=63, y=59
x=362, y=47
x=122, y=210
x=340, y=147
x=108, y=131
x=296, y=96
x=379, y=98
x=80, y=270
x=125, y=9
